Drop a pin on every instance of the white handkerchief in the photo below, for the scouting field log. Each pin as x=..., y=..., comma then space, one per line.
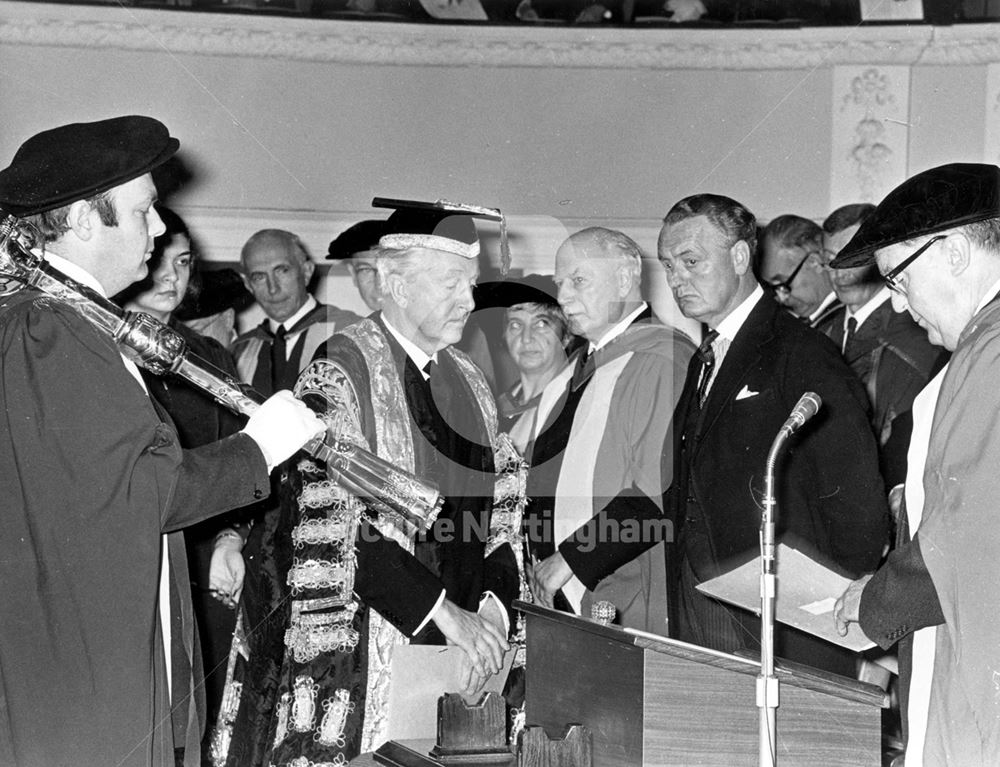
x=745, y=393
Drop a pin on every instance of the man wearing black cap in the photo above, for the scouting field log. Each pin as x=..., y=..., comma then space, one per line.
x=887, y=349
x=92, y=475
x=392, y=382
x=936, y=241
x=356, y=245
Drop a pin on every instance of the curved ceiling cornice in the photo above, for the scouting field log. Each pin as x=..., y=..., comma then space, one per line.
x=401, y=44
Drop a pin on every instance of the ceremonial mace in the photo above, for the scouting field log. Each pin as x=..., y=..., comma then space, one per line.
x=159, y=349
x=767, y=683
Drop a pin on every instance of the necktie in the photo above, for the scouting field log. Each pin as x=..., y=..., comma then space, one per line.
x=852, y=327
x=429, y=368
x=707, y=356
x=279, y=359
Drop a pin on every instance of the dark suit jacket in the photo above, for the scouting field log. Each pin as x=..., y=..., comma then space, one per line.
x=829, y=492
x=892, y=356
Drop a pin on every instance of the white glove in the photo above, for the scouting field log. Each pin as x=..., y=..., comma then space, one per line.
x=281, y=426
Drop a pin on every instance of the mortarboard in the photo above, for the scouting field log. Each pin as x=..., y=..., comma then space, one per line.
x=441, y=225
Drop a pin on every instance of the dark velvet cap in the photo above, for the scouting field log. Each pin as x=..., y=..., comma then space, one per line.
x=357, y=238
x=530, y=289
x=938, y=199
x=76, y=161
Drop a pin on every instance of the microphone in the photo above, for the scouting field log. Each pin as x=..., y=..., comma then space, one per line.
x=807, y=406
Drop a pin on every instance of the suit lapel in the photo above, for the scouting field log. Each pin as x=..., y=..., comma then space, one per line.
x=740, y=359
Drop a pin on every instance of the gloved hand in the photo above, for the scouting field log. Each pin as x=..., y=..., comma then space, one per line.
x=281, y=426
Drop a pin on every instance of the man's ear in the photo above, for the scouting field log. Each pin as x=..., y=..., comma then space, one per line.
x=307, y=270
x=396, y=288
x=740, y=253
x=82, y=219
x=958, y=252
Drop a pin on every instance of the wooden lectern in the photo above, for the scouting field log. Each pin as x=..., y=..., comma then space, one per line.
x=656, y=701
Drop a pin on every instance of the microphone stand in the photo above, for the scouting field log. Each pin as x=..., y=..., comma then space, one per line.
x=767, y=682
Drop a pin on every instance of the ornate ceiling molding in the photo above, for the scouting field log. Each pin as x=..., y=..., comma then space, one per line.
x=400, y=44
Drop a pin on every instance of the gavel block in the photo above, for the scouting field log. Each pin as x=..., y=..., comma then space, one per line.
x=573, y=749
x=472, y=734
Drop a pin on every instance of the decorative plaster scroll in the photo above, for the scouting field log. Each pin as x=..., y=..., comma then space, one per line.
x=390, y=43
x=991, y=142
x=870, y=132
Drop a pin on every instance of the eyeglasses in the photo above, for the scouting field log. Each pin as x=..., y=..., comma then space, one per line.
x=890, y=276
x=785, y=286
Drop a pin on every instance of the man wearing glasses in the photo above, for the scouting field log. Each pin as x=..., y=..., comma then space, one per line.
x=792, y=264
x=935, y=240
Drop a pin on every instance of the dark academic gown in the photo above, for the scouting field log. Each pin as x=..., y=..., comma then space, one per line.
x=90, y=479
x=199, y=420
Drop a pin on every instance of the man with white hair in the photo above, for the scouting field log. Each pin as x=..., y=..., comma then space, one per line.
x=602, y=426
x=936, y=242
x=277, y=270
x=358, y=583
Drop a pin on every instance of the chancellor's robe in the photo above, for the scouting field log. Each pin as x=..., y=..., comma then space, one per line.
x=346, y=587
x=90, y=479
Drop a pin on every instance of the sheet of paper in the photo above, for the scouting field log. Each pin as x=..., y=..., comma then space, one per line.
x=420, y=675
x=806, y=593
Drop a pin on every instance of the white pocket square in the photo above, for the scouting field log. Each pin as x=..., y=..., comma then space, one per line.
x=745, y=393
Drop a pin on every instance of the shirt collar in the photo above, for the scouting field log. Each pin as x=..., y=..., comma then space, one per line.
x=824, y=304
x=988, y=296
x=75, y=272
x=618, y=328
x=731, y=325
x=307, y=307
x=866, y=311
x=419, y=356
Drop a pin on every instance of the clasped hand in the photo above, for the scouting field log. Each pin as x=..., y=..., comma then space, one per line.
x=482, y=642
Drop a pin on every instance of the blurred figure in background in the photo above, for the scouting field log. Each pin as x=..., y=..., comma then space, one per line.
x=356, y=245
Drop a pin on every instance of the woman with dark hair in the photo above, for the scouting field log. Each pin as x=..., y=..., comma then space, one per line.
x=215, y=563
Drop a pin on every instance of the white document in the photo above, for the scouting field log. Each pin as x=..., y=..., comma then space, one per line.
x=806, y=593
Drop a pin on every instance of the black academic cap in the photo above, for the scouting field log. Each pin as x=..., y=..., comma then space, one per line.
x=77, y=161
x=358, y=238
x=530, y=289
x=440, y=225
x=941, y=198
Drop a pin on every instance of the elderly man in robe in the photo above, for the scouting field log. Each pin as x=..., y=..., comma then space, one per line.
x=602, y=426
x=936, y=242
x=359, y=584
